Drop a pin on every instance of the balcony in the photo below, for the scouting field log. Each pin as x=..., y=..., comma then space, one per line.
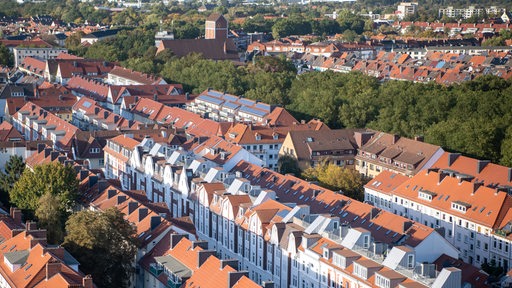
x=155, y=269
x=174, y=284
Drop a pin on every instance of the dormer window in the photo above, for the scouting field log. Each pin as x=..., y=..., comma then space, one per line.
x=426, y=195
x=257, y=136
x=360, y=271
x=382, y=282
x=460, y=206
x=275, y=136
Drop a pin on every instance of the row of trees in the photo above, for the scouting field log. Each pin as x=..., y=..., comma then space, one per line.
x=103, y=242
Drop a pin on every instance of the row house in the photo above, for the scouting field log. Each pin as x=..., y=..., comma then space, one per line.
x=28, y=261
x=310, y=148
x=165, y=169
x=177, y=261
x=118, y=152
x=54, y=98
x=265, y=142
x=124, y=76
x=444, y=65
x=36, y=123
x=33, y=66
x=287, y=243
x=474, y=214
x=222, y=107
x=88, y=116
x=388, y=152
x=62, y=70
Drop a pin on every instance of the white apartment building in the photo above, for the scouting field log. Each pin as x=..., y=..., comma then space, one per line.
x=42, y=53
x=406, y=8
x=475, y=218
x=469, y=12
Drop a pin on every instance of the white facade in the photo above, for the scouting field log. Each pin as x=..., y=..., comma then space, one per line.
x=20, y=53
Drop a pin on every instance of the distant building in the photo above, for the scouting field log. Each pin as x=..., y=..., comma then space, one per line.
x=405, y=9
x=94, y=37
x=215, y=46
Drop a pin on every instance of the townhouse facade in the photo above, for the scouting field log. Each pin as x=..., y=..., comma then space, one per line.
x=474, y=215
x=388, y=152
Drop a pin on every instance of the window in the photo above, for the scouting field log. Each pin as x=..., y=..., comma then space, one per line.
x=360, y=271
x=382, y=282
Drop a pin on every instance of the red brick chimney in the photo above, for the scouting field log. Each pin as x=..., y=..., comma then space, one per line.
x=52, y=268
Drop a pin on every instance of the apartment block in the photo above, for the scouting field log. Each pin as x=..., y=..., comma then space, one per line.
x=474, y=213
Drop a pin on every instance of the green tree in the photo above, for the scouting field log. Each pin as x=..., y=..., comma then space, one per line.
x=50, y=215
x=14, y=168
x=334, y=177
x=104, y=244
x=288, y=164
x=6, y=57
x=54, y=178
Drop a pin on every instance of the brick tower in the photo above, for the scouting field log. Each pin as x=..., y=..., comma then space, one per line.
x=216, y=27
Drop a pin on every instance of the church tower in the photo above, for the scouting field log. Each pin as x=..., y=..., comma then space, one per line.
x=216, y=27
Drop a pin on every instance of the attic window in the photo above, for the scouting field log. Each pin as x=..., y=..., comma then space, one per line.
x=310, y=139
x=257, y=136
x=460, y=206
x=426, y=195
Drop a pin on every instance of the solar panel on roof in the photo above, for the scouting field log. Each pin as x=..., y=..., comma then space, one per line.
x=215, y=93
x=253, y=111
x=263, y=106
x=231, y=105
x=229, y=97
x=246, y=102
x=210, y=99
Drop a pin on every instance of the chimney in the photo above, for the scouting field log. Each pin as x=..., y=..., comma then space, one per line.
x=233, y=263
x=202, y=244
x=30, y=226
x=52, y=268
x=132, y=206
x=57, y=251
x=509, y=175
x=155, y=97
x=480, y=165
x=47, y=152
x=202, y=255
x=176, y=238
x=155, y=221
x=121, y=199
x=267, y=284
x=87, y=282
x=83, y=174
x=16, y=215
x=234, y=276
x=407, y=225
x=419, y=138
x=362, y=137
x=111, y=193
x=187, y=96
x=102, y=185
x=40, y=147
x=143, y=212
x=395, y=138
x=93, y=179
x=452, y=157
x=374, y=212
x=54, y=155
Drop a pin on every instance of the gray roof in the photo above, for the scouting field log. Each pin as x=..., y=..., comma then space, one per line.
x=175, y=266
x=17, y=257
